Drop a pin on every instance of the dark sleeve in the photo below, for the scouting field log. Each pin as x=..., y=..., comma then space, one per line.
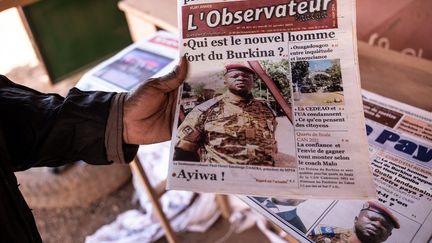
x=49, y=130
x=117, y=151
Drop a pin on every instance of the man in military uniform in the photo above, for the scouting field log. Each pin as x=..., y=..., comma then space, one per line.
x=232, y=128
x=284, y=208
x=374, y=224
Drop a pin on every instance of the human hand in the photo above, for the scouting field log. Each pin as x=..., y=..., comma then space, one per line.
x=148, y=112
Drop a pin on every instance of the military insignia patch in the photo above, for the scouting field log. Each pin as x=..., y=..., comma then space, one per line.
x=187, y=130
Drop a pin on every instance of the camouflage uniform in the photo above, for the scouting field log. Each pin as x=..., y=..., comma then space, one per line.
x=230, y=129
x=328, y=234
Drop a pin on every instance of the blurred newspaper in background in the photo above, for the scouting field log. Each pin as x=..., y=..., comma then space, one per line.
x=302, y=133
x=400, y=145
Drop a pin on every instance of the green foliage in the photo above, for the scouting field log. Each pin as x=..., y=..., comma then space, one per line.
x=321, y=80
x=335, y=72
x=328, y=77
x=300, y=70
x=279, y=72
x=300, y=74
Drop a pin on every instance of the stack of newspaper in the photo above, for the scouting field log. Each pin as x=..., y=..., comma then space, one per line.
x=400, y=145
x=272, y=109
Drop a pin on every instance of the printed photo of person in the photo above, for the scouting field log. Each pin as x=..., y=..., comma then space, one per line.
x=373, y=224
x=286, y=209
x=234, y=123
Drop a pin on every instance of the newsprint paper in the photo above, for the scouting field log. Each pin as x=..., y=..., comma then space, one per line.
x=272, y=104
x=400, y=146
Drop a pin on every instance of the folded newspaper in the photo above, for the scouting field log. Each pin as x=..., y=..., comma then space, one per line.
x=400, y=145
x=272, y=104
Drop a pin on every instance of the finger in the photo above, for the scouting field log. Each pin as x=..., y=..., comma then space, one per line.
x=172, y=104
x=175, y=78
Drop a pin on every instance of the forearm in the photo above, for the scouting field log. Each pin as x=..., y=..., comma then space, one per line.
x=49, y=130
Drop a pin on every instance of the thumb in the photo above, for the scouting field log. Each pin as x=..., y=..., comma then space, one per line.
x=160, y=85
x=176, y=77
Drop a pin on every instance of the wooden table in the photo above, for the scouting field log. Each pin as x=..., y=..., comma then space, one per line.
x=5, y=4
x=145, y=17
x=400, y=77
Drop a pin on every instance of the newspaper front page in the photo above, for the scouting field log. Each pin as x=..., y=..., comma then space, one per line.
x=400, y=145
x=272, y=103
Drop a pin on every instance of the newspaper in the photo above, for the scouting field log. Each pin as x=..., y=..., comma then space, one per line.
x=400, y=145
x=150, y=57
x=272, y=103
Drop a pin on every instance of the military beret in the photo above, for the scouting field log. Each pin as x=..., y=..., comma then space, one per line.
x=380, y=209
x=234, y=67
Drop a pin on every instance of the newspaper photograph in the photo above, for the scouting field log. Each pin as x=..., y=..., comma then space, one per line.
x=272, y=103
x=400, y=145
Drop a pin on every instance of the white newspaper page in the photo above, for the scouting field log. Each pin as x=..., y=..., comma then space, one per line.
x=400, y=139
x=272, y=103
